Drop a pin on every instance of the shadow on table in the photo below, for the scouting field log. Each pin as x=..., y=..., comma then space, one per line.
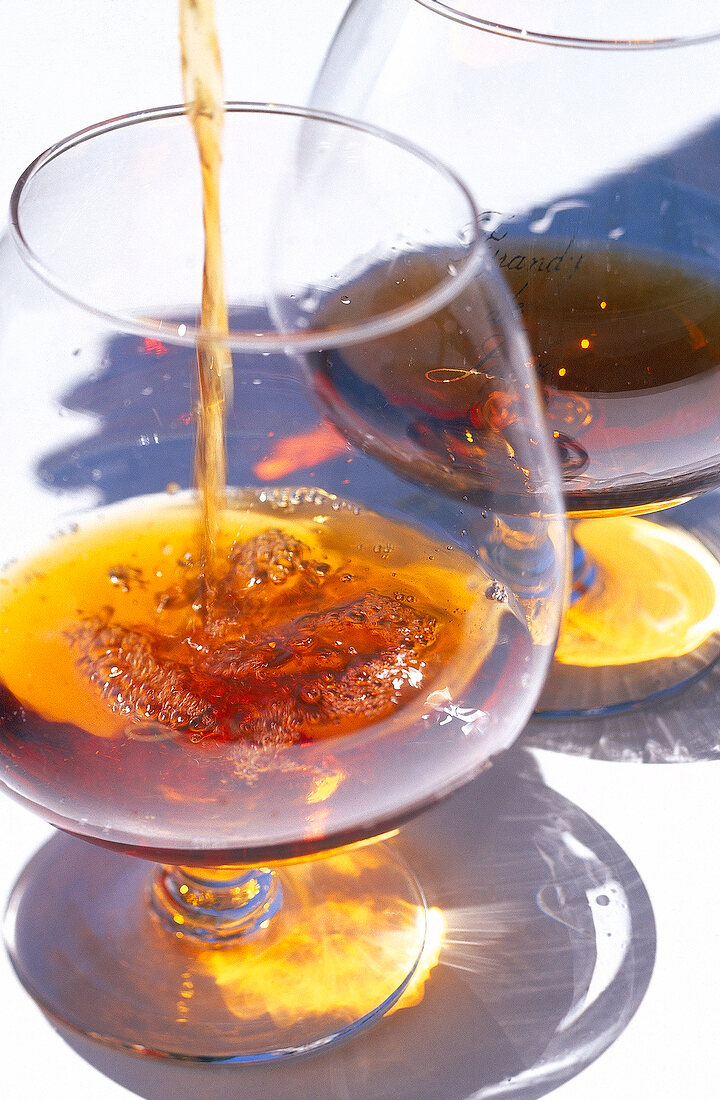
x=548, y=950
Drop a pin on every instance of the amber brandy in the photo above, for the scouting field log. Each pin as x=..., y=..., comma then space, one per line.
x=311, y=631
x=129, y=680
x=627, y=347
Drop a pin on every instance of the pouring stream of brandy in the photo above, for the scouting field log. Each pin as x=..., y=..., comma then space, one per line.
x=204, y=98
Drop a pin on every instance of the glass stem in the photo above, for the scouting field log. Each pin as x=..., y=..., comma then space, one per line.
x=215, y=905
x=584, y=571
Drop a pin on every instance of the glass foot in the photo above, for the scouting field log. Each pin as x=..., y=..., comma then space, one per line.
x=123, y=954
x=546, y=950
x=645, y=625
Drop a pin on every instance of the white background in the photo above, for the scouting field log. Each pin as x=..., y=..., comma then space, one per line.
x=66, y=65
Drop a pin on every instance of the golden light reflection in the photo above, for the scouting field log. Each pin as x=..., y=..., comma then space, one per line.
x=429, y=959
x=659, y=595
x=187, y=992
x=341, y=945
x=696, y=337
x=300, y=451
x=323, y=787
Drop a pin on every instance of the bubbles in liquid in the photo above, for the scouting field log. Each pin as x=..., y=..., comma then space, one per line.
x=288, y=647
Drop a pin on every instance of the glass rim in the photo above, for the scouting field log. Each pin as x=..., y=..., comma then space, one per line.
x=309, y=339
x=491, y=26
